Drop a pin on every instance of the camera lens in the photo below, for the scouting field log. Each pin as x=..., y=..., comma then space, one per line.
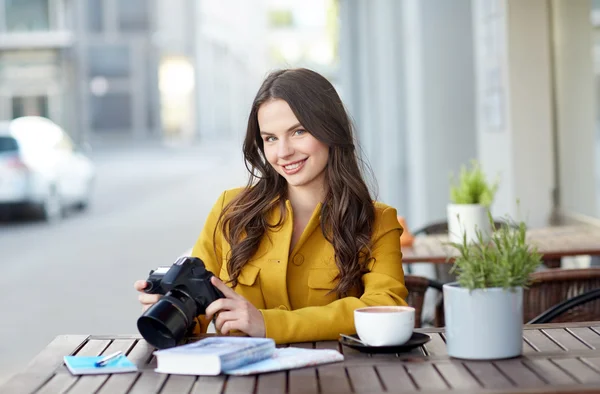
x=165, y=323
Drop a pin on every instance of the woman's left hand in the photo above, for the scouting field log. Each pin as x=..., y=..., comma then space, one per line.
x=235, y=312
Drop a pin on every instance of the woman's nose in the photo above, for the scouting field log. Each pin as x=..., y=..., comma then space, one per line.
x=285, y=149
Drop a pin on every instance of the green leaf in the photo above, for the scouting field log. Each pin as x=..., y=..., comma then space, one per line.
x=506, y=260
x=472, y=187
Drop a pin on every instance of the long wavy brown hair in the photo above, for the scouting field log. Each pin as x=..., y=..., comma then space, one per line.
x=347, y=213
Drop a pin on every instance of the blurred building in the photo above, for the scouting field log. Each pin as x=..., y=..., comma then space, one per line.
x=231, y=63
x=434, y=83
x=304, y=34
x=37, y=47
x=95, y=66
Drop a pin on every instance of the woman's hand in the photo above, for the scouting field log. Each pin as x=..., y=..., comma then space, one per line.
x=235, y=312
x=147, y=300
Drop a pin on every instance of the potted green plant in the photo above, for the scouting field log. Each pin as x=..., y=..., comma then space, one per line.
x=484, y=308
x=471, y=196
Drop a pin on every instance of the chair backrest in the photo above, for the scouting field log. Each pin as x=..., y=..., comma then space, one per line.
x=554, y=286
x=416, y=286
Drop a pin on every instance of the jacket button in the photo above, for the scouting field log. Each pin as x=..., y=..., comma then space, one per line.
x=283, y=307
x=298, y=259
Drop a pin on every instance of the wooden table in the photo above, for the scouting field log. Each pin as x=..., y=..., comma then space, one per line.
x=552, y=242
x=557, y=358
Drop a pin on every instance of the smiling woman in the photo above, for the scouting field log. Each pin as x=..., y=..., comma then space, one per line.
x=302, y=245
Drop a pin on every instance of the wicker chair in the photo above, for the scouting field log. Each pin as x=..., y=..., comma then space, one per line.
x=417, y=286
x=553, y=287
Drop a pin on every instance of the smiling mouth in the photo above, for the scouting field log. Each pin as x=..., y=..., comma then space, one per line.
x=293, y=167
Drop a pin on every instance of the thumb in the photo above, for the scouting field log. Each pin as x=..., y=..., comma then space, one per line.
x=140, y=285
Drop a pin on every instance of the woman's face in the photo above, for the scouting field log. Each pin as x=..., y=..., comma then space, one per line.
x=292, y=151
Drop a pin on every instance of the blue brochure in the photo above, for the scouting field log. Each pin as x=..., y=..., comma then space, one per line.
x=86, y=365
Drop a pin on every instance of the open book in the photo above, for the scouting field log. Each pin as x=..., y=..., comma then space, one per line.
x=238, y=356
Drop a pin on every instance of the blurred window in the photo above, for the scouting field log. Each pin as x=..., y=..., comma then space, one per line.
x=111, y=111
x=133, y=15
x=281, y=18
x=95, y=11
x=27, y=15
x=8, y=144
x=29, y=106
x=109, y=61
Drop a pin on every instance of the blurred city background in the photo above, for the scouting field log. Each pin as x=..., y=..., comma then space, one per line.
x=156, y=94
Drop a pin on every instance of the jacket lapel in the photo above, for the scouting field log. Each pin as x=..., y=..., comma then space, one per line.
x=274, y=253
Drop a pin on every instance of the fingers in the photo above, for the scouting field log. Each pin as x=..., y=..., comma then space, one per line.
x=140, y=285
x=147, y=300
x=218, y=305
x=226, y=290
x=223, y=317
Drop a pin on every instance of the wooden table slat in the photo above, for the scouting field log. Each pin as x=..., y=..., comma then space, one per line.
x=364, y=379
x=592, y=362
x=527, y=348
x=176, y=384
x=540, y=341
x=488, y=375
x=587, y=335
x=209, y=385
x=549, y=371
x=333, y=379
x=88, y=384
x=119, y=383
x=332, y=345
x=275, y=382
x=565, y=339
x=148, y=382
x=141, y=353
x=240, y=384
x=93, y=347
x=436, y=346
x=42, y=367
x=425, y=376
x=519, y=374
x=578, y=369
x=395, y=378
x=457, y=376
x=303, y=381
x=58, y=384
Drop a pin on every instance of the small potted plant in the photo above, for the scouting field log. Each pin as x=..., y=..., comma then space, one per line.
x=471, y=197
x=484, y=308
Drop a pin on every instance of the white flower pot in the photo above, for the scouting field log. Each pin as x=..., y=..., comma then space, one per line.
x=468, y=218
x=483, y=324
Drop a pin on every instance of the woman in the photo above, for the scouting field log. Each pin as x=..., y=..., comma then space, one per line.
x=303, y=244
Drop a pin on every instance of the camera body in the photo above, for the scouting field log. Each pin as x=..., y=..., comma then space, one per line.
x=187, y=292
x=187, y=275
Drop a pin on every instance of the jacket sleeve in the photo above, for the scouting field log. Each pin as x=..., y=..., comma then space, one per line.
x=208, y=251
x=383, y=285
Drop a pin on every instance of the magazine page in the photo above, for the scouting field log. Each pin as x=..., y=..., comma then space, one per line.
x=289, y=358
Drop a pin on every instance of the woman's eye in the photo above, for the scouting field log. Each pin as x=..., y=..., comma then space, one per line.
x=299, y=132
x=270, y=139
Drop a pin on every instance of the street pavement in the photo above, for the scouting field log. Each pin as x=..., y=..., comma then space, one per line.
x=76, y=276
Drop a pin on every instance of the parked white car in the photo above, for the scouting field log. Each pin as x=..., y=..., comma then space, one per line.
x=41, y=168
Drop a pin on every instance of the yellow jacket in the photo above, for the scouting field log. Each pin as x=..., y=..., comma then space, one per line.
x=292, y=288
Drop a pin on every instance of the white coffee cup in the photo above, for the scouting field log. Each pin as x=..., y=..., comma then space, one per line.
x=384, y=325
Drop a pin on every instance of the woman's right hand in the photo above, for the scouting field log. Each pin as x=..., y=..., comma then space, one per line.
x=147, y=300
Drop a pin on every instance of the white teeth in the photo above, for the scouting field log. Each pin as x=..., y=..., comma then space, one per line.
x=292, y=166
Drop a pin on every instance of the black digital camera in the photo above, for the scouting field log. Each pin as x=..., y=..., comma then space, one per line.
x=187, y=292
